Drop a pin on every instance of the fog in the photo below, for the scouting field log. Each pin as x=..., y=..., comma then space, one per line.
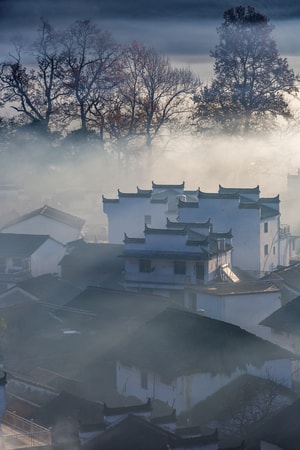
x=200, y=161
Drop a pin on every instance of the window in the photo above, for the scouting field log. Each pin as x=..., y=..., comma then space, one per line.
x=274, y=250
x=179, y=268
x=266, y=249
x=145, y=265
x=144, y=380
x=147, y=219
x=266, y=227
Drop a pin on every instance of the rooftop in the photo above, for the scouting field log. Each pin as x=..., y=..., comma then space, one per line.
x=12, y=244
x=172, y=344
x=51, y=213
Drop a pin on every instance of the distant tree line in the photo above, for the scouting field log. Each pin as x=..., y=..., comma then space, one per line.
x=80, y=88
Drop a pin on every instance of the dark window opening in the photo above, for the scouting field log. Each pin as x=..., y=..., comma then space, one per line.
x=179, y=268
x=145, y=265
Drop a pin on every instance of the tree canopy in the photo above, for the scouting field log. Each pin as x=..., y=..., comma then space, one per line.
x=251, y=79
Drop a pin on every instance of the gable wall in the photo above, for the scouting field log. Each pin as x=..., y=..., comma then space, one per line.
x=245, y=225
x=44, y=225
x=46, y=258
x=128, y=216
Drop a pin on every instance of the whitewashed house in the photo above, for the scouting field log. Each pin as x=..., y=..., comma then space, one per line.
x=61, y=226
x=283, y=329
x=260, y=243
x=23, y=256
x=131, y=211
x=179, y=255
x=244, y=304
x=181, y=358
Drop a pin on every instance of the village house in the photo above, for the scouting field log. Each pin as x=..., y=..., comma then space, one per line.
x=282, y=327
x=61, y=226
x=131, y=211
x=261, y=243
x=182, y=358
x=244, y=303
x=179, y=255
x=24, y=256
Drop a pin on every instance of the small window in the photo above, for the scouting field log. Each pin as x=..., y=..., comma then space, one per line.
x=148, y=220
x=144, y=380
x=145, y=265
x=266, y=227
x=266, y=249
x=274, y=250
x=179, y=268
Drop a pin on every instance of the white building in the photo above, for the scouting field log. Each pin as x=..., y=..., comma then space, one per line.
x=61, y=226
x=179, y=255
x=23, y=256
x=260, y=245
x=182, y=358
x=260, y=242
x=244, y=304
x=131, y=211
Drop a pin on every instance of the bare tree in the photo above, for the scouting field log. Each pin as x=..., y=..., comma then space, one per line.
x=89, y=62
x=34, y=92
x=152, y=93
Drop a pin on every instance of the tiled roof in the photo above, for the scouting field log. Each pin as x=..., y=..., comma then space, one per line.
x=224, y=190
x=287, y=318
x=120, y=410
x=166, y=231
x=50, y=287
x=242, y=287
x=167, y=186
x=51, y=213
x=267, y=212
x=133, y=240
x=178, y=342
x=173, y=224
x=142, y=194
x=109, y=200
x=12, y=244
x=218, y=195
x=136, y=433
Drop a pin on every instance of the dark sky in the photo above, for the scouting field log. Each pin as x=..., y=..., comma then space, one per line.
x=185, y=30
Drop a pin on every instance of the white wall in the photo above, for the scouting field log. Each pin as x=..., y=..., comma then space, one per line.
x=186, y=391
x=226, y=214
x=44, y=225
x=245, y=309
x=128, y=216
x=47, y=257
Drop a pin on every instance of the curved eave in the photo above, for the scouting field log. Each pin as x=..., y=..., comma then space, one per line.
x=132, y=240
x=168, y=186
x=254, y=190
x=165, y=231
x=109, y=200
x=173, y=224
x=218, y=195
x=134, y=194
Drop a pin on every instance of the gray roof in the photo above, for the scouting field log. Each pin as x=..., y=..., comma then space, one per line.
x=51, y=213
x=12, y=244
x=178, y=342
x=286, y=318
